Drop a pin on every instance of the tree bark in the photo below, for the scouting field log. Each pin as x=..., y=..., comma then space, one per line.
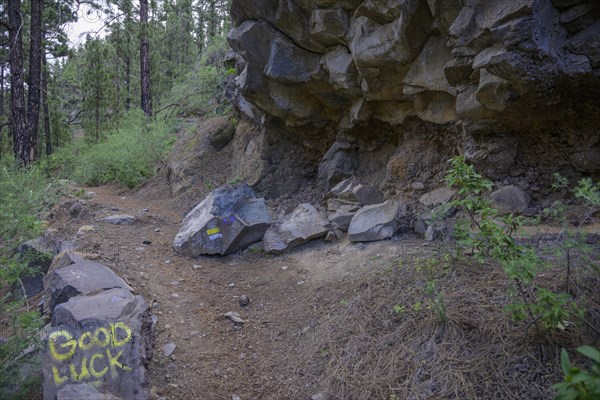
x=19, y=126
x=35, y=73
x=44, y=100
x=145, y=59
x=212, y=19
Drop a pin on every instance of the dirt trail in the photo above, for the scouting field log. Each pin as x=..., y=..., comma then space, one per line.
x=214, y=359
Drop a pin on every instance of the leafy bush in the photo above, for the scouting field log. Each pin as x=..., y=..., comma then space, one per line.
x=128, y=156
x=579, y=384
x=493, y=237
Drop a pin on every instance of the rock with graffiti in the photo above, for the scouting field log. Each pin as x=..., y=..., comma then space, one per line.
x=99, y=342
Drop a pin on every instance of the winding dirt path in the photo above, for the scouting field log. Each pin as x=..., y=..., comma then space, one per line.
x=214, y=358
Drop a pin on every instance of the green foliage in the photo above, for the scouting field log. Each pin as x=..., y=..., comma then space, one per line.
x=493, y=237
x=128, y=156
x=24, y=193
x=579, y=384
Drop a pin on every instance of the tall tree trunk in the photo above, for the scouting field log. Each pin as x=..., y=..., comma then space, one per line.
x=19, y=126
x=212, y=19
x=44, y=100
x=145, y=59
x=35, y=73
x=1, y=107
x=128, y=80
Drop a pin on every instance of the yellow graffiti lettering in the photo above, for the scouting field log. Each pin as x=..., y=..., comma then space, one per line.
x=123, y=327
x=106, y=339
x=53, y=338
x=82, y=344
x=95, y=373
x=213, y=231
x=113, y=363
x=84, y=371
x=58, y=380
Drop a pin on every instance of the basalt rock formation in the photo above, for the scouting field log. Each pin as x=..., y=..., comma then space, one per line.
x=395, y=88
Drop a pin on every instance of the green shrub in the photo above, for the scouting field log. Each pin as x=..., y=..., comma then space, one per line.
x=128, y=156
x=579, y=384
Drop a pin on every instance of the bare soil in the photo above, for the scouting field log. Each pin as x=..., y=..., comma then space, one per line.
x=321, y=319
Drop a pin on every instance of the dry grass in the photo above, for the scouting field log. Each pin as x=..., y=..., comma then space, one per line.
x=367, y=350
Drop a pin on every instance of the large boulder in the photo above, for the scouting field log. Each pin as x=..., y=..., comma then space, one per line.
x=228, y=220
x=377, y=221
x=305, y=223
x=100, y=337
x=509, y=200
x=82, y=277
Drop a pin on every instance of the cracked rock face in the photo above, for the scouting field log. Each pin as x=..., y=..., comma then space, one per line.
x=453, y=62
x=510, y=76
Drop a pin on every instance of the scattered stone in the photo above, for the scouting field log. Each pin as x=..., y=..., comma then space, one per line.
x=147, y=242
x=114, y=209
x=157, y=230
x=75, y=209
x=232, y=285
x=90, y=194
x=234, y=316
x=169, y=349
x=331, y=237
x=122, y=219
x=341, y=220
x=438, y=196
x=377, y=221
x=318, y=396
x=144, y=275
x=305, y=223
x=435, y=232
x=417, y=186
x=235, y=397
x=175, y=296
x=228, y=220
x=352, y=190
x=284, y=267
x=174, y=283
x=197, y=267
x=84, y=229
x=244, y=300
x=509, y=200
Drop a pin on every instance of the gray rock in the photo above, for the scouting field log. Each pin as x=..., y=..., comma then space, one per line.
x=38, y=254
x=341, y=220
x=339, y=163
x=509, y=200
x=122, y=219
x=228, y=220
x=305, y=223
x=352, y=190
x=221, y=137
x=335, y=205
x=108, y=305
x=331, y=237
x=438, y=196
x=377, y=221
x=436, y=232
x=82, y=277
x=318, y=396
x=417, y=186
x=328, y=26
x=234, y=316
x=83, y=391
x=169, y=349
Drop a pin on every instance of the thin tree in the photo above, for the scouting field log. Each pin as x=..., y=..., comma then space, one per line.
x=44, y=101
x=35, y=73
x=19, y=125
x=145, y=59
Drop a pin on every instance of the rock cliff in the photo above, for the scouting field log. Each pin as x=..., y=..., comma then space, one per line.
x=393, y=88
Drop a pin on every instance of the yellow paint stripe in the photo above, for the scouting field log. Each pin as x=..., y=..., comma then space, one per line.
x=213, y=231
